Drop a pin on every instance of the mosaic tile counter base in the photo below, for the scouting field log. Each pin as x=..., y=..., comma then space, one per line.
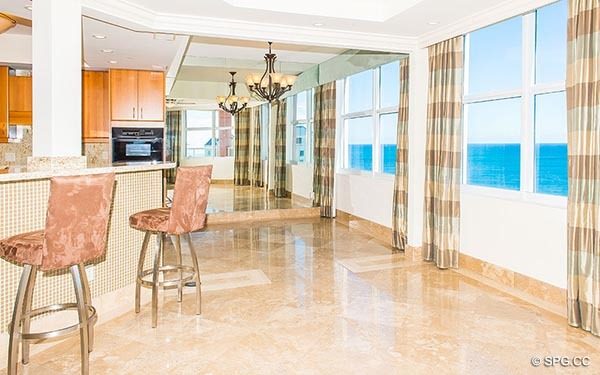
x=23, y=208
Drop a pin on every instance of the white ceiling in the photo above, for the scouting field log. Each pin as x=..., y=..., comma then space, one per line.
x=408, y=18
x=131, y=49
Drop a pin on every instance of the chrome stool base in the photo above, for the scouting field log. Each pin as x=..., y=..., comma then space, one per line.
x=186, y=273
x=19, y=328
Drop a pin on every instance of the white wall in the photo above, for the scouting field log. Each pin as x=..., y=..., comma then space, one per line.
x=15, y=49
x=525, y=236
x=301, y=180
x=222, y=166
x=365, y=196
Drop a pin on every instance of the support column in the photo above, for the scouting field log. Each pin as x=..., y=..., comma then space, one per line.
x=57, y=62
x=417, y=124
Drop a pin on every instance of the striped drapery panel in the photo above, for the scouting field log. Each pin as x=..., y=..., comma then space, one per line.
x=172, y=142
x=324, y=148
x=255, y=164
x=400, y=203
x=441, y=227
x=279, y=177
x=242, y=148
x=583, y=124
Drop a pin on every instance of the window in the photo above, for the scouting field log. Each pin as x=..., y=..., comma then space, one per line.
x=300, y=107
x=515, y=105
x=370, y=119
x=208, y=134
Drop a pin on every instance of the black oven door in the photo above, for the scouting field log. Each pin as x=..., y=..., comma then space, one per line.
x=137, y=148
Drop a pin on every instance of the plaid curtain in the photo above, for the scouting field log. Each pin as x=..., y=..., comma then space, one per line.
x=324, y=148
x=400, y=203
x=279, y=178
x=441, y=225
x=583, y=124
x=242, y=147
x=172, y=142
x=256, y=170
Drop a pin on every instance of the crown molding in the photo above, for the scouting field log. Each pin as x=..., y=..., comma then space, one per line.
x=500, y=12
x=137, y=17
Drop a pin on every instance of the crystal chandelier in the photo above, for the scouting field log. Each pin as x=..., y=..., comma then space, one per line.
x=232, y=103
x=271, y=85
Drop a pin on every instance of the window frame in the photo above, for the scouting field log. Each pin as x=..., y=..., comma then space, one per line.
x=375, y=113
x=214, y=128
x=293, y=121
x=527, y=93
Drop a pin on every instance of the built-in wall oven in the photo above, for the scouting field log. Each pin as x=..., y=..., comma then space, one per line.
x=137, y=145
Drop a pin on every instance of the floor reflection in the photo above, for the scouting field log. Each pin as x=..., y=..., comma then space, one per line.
x=230, y=198
x=309, y=313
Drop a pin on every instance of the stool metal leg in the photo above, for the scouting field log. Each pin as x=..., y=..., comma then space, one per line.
x=155, y=274
x=26, y=310
x=177, y=243
x=87, y=297
x=140, y=270
x=15, y=333
x=83, y=318
x=197, y=269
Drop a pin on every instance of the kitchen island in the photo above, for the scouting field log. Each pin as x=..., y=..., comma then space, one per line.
x=23, y=204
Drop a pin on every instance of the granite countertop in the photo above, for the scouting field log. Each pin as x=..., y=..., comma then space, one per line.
x=21, y=173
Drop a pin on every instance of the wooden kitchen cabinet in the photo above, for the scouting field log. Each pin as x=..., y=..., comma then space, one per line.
x=123, y=95
x=137, y=95
x=151, y=95
x=19, y=100
x=4, y=104
x=95, y=113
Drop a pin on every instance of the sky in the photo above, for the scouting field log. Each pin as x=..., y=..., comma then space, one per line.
x=495, y=65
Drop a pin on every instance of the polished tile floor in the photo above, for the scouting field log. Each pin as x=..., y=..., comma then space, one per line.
x=230, y=198
x=315, y=297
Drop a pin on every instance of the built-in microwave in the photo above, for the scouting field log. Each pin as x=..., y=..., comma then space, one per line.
x=137, y=145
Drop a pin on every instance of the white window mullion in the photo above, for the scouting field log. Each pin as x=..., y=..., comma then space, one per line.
x=376, y=154
x=528, y=105
x=465, y=120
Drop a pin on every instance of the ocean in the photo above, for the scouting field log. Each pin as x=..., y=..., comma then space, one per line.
x=491, y=165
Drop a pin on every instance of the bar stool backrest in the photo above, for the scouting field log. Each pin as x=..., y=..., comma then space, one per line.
x=77, y=220
x=190, y=198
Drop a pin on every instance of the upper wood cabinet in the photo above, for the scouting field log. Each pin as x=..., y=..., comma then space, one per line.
x=3, y=104
x=19, y=100
x=151, y=96
x=137, y=95
x=94, y=100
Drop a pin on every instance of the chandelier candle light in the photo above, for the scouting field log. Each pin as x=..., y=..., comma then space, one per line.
x=271, y=85
x=232, y=103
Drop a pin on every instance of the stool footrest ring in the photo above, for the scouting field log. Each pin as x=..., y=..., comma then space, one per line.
x=169, y=283
x=92, y=317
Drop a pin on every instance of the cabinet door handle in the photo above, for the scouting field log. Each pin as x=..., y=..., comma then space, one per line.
x=133, y=113
x=142, y=113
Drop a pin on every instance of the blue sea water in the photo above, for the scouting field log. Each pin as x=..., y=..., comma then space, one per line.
x=361, y=157
x=492, y=165
x=498, y=165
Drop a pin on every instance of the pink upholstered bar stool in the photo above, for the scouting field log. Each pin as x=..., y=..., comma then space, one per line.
x=186, y=215
x=75, y=233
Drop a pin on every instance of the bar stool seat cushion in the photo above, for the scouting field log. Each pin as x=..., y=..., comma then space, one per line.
x=24, y=248
x=155, y=220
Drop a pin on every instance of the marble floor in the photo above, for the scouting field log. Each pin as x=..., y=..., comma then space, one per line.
x=315, y=297
x=230, y=198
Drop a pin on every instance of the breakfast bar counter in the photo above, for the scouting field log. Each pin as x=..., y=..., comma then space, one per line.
x=23, y=203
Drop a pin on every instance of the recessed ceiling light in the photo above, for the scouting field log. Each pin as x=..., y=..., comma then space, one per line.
x=318, y=24
x=29, y=7
x=108, y=50
x=112, y=62
x=99, y=36
x=433, y=22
